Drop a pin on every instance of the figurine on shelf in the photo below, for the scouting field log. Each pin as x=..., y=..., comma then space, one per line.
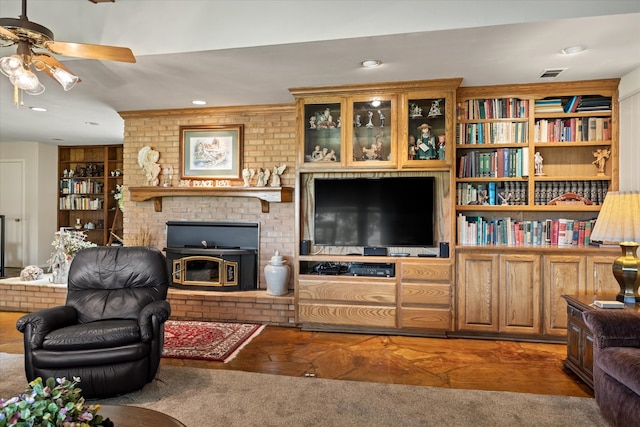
x=330, y=156
x=326, y=120
x=441, y=147
x=316, y=154
x=601, y=155
x=382, y=117
x=263, y=177
x=370, y=123
x=247, y=176
x=434, y=111
x=312, y=122
x=148, y=160
x=416, y=111
x=427, y=144
x=412, y=147
x=277, y=172
x=537, y=160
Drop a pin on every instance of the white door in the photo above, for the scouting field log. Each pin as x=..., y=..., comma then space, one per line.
x=12, y=207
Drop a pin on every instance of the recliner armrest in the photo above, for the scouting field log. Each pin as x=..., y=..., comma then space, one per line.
x=613, y=328
x=44, y=321
x=159, y=309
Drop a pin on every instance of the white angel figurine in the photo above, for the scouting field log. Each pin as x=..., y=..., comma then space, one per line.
x=263, y=177
x=277, y=172
x=247, y=176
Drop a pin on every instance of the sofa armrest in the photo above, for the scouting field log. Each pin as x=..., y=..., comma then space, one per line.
x=159, y=309
x=44, y=321
x=618, y=328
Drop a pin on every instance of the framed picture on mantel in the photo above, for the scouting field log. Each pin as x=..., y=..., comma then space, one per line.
x=210, y=152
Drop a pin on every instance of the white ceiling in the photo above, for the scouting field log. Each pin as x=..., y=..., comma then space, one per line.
x=251, y=52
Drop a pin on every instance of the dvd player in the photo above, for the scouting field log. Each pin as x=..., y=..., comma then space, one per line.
x=373, y=269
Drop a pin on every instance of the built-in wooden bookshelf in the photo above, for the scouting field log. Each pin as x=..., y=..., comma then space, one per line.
x=88, y=177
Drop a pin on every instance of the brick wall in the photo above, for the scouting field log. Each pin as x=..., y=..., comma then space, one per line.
x=250, y=306
x=269, y=140
x=31, y=297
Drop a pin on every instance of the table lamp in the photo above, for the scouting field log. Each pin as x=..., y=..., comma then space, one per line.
x=619, y=222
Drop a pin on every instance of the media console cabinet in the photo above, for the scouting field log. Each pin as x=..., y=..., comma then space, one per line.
x=522, y=155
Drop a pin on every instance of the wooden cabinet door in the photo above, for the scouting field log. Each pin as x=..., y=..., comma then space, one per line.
x=477, y=285
x=600, y=279
x=520, y=294
x=563, y=275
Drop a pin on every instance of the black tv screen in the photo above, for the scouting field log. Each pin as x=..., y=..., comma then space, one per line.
x=386, y=212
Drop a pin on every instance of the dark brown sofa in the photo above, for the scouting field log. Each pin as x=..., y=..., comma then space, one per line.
x=616, y=364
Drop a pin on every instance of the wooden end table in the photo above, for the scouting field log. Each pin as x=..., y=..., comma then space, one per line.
x=579, y=338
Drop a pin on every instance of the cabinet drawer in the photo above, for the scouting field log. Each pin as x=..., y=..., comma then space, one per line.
x=425, y=318
x=354, y=315
x=426, y=294
x=425, y=272
x=574, y=315
x=349, y=291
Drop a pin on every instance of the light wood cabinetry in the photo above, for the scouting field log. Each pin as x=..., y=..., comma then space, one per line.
x=87, y=181
x=425, y=295
x=375, y=131
x=519, y=293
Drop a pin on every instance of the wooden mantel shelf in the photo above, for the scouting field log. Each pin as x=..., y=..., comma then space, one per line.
x=265, y=194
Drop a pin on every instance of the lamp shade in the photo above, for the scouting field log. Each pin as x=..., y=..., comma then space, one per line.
x=9, y=65
x=66, y=79
x=619, y=218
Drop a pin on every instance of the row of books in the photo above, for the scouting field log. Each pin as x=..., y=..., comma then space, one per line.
x=494, y=108
x=479, y=231
x=546, y=105
x=491, y=193
x=594, y=191
x=501, y=163
x=573, y=104
x=573, y=129
x=80, y=203
x=492, y=133
x=80, y=186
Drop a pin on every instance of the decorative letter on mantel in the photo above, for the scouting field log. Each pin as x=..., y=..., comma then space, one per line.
x=266, y=194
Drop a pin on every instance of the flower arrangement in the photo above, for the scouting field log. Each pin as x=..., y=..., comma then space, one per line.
x=55, y=403
x=119, y=196
x=69, y=242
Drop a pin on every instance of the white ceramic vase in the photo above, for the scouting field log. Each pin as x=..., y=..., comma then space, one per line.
x=277, y=275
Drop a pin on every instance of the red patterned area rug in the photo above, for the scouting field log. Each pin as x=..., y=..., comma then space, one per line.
x=215, y=341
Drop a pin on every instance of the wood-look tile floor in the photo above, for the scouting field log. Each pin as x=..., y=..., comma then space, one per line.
x=441, y=362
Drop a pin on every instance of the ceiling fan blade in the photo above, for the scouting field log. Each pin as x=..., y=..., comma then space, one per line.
x=51, y=62
x=6, y=34
x=91, y=51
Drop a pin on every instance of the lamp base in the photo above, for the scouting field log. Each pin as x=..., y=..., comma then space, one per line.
x=625, y=270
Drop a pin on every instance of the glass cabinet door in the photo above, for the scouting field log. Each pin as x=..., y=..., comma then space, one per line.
x=322, y=134
x=372, y=132
x=427, y=129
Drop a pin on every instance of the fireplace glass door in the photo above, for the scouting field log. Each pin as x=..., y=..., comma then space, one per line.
x=205, y=271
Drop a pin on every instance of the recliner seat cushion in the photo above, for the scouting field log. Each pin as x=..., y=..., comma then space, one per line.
x=622, y=364
x=94, y=335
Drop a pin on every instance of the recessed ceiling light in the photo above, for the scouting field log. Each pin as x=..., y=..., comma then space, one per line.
x=40, y=109
x=198, y=102
x=371, y=63
x=91, y=123
x=572, y=50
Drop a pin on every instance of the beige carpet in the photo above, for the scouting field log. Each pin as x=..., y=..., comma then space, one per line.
x=203, y=397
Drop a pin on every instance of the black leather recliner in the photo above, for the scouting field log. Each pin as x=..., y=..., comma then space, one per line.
x=110, y=332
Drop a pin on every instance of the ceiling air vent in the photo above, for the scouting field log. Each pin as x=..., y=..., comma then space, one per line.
x=551, y=73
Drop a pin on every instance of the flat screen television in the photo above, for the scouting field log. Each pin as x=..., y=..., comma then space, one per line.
x=379, y=212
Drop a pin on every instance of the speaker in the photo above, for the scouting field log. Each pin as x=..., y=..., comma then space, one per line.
x=304, y=247
x=374, y=251
x=444, y=249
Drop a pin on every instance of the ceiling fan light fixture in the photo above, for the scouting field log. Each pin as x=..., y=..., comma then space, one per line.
x=65, y=78
x=9, y=65
x=35, y=91
x=26, y=80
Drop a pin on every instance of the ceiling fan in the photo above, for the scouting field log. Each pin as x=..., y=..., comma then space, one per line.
x=28, y=35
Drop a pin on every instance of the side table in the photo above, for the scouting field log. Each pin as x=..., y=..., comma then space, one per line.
x=135, y=416
x=579, y=338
